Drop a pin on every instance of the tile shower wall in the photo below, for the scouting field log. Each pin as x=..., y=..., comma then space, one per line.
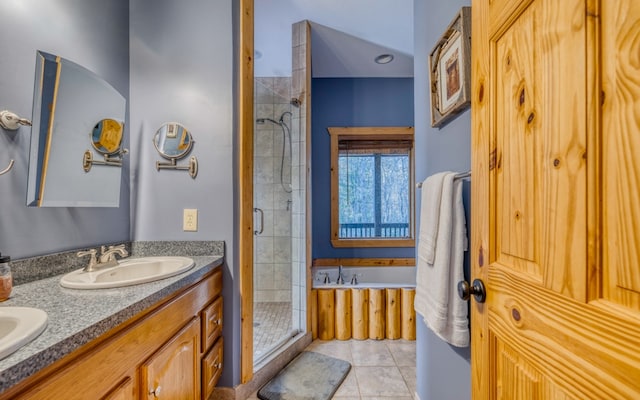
x=272, y=271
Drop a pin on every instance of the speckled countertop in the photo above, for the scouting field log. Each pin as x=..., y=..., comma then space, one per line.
x=76, y=317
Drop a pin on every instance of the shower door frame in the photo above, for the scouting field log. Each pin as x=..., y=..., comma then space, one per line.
x=245, y=188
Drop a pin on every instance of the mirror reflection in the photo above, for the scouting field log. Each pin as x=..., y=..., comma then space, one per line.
x=68, y=102
x=173, y=140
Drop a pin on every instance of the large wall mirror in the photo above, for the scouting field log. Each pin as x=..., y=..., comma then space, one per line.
x=69, y=102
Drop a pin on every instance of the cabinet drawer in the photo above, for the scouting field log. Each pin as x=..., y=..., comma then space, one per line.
x=211, y=323
x=211, y=369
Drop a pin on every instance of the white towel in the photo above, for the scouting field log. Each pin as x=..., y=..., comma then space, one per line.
x=431, y=195
x=436, y=294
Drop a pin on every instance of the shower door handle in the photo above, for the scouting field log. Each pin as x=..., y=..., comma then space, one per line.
x=258, y=232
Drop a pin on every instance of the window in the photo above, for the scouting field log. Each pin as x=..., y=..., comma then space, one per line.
x=371, y=190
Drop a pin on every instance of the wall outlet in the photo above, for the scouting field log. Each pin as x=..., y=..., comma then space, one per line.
x=190, y=220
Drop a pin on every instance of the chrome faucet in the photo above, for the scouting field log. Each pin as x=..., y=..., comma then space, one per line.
x=340, y=280
x=106, y=259
x=109, y=254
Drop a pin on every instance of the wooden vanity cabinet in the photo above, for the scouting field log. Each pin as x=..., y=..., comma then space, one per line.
x=172, y=350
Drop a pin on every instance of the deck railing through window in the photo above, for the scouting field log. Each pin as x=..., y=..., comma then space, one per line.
x=370, y=230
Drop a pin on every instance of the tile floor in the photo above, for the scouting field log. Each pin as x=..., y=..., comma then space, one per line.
x=380, y=369
x=271, y=323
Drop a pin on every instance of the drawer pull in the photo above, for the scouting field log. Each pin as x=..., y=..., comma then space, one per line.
x=218, y=321
x=218, y=366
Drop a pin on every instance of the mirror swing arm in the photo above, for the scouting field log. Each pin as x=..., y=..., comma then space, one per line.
x=114, y=160
x=173, y=164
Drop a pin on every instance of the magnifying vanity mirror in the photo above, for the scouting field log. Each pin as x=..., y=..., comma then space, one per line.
x=106, y=139
x=173, y=141
x=75, y=113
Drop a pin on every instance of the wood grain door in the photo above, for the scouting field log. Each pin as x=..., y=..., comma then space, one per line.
x=556, y=199
x=173, y=372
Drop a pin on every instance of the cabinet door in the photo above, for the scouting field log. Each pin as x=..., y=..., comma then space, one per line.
x=555, y=199
x=173, y=371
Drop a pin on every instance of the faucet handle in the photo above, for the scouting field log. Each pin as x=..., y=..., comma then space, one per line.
x=327, y=280
x=91, y=252
x=354, y=279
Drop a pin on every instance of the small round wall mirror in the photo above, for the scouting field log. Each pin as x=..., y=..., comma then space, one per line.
x=106, y=136
x=106, y=139
x=173, y=141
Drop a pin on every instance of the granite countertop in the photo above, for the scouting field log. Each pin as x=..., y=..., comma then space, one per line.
x=77, y=317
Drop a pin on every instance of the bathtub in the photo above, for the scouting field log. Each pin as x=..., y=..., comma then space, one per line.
x=374, y=308
x=363, y=285
x=368, y=277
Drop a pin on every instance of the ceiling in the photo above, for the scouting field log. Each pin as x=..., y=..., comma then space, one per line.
x=346, y=36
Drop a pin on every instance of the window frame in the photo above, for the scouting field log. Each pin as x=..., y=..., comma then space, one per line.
x=369, y=133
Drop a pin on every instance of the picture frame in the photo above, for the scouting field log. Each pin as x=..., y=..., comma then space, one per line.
x=450, y=70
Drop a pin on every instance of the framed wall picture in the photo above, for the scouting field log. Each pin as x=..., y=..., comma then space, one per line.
x=450, y=70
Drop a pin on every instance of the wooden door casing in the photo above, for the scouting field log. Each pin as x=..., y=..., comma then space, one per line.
x=555, y=199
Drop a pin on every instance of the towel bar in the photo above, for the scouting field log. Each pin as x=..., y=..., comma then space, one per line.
x=461, y=175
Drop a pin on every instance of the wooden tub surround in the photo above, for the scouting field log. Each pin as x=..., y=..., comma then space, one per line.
x=172, y=349
x=344, y=313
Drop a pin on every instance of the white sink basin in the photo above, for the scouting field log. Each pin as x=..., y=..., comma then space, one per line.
x=19, y=326
x=130, y=271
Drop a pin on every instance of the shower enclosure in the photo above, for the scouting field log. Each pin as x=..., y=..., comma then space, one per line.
x=276, y=317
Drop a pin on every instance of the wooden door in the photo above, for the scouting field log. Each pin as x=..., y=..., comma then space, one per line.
x=556, y=199
x=173, y=372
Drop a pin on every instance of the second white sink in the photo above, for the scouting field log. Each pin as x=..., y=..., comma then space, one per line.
x=130, y=271
x=19, y=326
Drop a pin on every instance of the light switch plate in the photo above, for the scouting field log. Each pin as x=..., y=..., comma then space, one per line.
x=190, y=220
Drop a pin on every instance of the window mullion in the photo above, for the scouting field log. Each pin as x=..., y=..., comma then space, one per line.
x=378, y=194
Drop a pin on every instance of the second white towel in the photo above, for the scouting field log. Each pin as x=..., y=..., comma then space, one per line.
x=440, y=269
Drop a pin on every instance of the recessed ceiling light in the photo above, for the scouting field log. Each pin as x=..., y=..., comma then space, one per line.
x=384, y=58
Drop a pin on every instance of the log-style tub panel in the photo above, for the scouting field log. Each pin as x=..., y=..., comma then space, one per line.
x=364, y=313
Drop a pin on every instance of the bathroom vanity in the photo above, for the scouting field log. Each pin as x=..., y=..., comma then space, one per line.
x=160, y=339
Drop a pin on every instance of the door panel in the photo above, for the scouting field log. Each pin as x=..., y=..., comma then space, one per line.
x=555, y=231
x=516, y=199
x=621, y=150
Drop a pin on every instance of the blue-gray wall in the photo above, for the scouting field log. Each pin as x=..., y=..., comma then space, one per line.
x=172, y=63
x=92, y=33
x=182, y=70
x=442, y=371
x=350, y=102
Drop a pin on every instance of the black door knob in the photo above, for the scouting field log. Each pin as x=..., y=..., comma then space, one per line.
x=477, y=290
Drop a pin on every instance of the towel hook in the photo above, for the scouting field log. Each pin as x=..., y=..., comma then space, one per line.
x=4, y=171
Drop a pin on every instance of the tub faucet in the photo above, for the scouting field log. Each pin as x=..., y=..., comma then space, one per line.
x=340, y=280
x=354, y=279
